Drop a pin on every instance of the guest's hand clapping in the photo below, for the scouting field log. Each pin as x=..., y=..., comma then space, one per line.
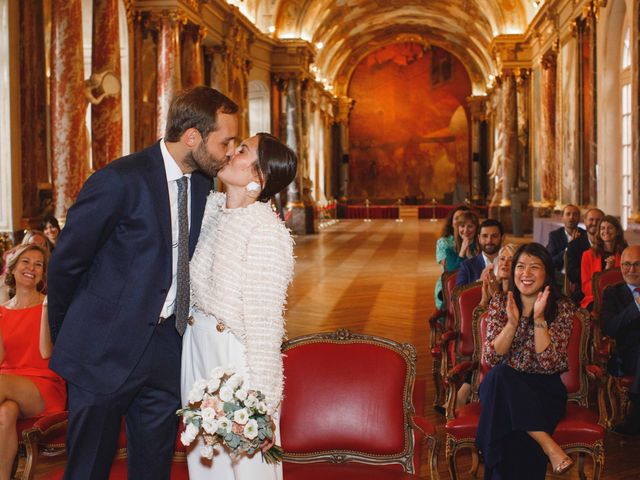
x=540, y=304
x=609, y=262
x=513, y=314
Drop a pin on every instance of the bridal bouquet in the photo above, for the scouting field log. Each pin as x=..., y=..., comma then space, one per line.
x=222, y=412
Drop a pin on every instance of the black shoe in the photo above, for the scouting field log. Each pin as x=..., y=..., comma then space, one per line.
x=440, y=409
x=627, y=428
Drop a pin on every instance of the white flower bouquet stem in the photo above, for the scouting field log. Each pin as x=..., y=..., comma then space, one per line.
x=222, y=412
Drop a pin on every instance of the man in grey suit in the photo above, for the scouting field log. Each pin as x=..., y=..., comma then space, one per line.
x=118, y=289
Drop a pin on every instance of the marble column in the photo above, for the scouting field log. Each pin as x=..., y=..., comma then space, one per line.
x=168, y=73
x=523, y=83
x=69, y=142
x=192, y=62
x=343, y=107
x=145, y=98
x=106, y=116
x=477, y=110
x=548, y=150
x=33, y=103
x=510, y=120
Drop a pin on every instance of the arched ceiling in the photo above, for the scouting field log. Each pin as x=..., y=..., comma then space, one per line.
x=345, y=31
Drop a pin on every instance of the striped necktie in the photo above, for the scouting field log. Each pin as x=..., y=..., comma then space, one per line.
x=182, y=277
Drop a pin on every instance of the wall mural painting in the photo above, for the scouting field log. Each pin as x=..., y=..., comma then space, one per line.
x=409, y=133
x=536, y=144
x=569, y=112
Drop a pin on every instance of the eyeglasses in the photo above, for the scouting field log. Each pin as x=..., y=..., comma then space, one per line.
x=628, y=265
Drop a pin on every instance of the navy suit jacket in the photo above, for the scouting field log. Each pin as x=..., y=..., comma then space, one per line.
x=558, y=244
x=111, y=269
x=620, y=317
x=470, y=270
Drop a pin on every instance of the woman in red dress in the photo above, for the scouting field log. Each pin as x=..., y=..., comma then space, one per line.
x=27, y=387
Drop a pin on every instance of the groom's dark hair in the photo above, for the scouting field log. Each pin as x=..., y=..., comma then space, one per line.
x=277, y=165
x=198, y=108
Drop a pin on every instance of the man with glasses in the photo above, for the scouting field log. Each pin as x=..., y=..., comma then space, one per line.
x=620, y=318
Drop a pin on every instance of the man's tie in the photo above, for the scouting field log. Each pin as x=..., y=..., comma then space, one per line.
x=182, y=290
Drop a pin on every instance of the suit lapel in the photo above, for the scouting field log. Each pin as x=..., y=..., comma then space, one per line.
x=157, y=180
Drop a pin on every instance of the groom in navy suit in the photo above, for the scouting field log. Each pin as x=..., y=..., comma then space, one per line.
x=115, y=286
x=490, y=241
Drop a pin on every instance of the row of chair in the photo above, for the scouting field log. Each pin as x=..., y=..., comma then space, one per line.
x=349, y=411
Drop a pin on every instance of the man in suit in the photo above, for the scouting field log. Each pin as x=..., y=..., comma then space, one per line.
x=489, y=241
x=620, y=319
x=561, y=237
x=576, y=248
x=117, y=289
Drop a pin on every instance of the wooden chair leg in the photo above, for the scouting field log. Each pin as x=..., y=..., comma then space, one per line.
x=433, y=447
x=475, y=464
x=32, y=456
x=581, y=473
x=450, y=454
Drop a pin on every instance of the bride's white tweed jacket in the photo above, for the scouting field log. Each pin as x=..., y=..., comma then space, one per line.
x=240, y=272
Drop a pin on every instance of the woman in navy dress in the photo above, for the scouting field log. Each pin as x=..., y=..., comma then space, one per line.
x=522, y=397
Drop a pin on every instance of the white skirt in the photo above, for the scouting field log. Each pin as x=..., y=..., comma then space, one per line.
x=203, y=349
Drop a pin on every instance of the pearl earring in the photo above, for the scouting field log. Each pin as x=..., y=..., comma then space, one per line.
x=252, y=187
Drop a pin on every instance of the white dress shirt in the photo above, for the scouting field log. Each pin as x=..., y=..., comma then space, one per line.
x=174, y=173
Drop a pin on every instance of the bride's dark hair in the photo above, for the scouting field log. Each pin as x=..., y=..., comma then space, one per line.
x=277, y=165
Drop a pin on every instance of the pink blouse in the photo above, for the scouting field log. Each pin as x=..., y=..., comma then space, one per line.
x=522, y=355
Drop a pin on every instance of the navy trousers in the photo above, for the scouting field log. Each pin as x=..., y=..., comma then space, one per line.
x=148, y=401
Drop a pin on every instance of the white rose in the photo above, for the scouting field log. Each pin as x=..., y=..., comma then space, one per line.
x=206, y=451
x=217, y=372
x=251, y=401
x=197, y=391
x=226, y=393
x=241, y=416
x=235, y=381
x=241, y=394
x=210, y=426
x=213, y=385
x=189, y=435
x=251, y=429
x=208, y=414
x=229, y=370
x=262, y=407
x=225, y=424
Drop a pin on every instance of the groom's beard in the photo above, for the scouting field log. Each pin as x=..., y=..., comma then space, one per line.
x=202, y=160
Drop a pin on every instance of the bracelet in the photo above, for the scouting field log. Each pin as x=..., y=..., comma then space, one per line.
x=539, y=325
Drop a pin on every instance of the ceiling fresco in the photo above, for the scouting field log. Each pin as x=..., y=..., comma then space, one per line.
x=346, y=31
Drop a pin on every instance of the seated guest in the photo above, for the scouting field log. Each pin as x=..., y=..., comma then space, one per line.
x=465, y=241
x=498, y=280
x=490, y=241
x=560, y=238
x=27, y=387
x=620, y=319
x=604, y=254
x=522, y=397
x=36, y=237
x=51, y=229
x=444, y=243
x=577, y=248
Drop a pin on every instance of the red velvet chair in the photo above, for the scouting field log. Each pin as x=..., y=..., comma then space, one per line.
x=39, y=437
x=579, y=432
x=347, y=410
x=440, y=321
x=458, y=341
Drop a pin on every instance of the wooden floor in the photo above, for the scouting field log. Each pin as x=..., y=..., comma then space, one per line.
x=378, y=278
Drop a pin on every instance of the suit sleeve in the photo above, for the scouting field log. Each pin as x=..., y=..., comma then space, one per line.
x=463, y=274
x=574, y=257
x=89, y=223
x=556, y=251
x=613, y=318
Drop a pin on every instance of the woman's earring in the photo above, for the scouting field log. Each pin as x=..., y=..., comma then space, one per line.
x=252, y=187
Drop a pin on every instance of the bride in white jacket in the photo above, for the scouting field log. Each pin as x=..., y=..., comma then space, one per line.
x=240, y=272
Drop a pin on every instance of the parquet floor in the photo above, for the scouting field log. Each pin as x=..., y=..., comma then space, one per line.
x=378, y=278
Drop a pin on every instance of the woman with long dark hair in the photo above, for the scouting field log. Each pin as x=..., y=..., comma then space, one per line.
x=522, y=396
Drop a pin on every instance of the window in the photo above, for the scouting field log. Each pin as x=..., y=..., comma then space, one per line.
x=625, y=109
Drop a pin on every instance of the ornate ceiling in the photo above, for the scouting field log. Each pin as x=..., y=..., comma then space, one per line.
x=345, y=31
